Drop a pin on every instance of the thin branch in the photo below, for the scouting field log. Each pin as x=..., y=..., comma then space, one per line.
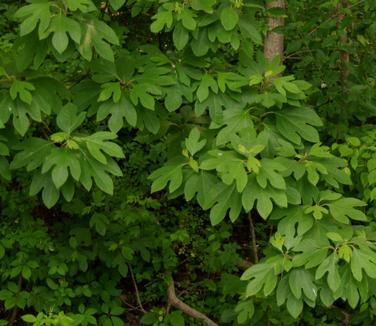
x=293, y=54
x=15, y=309
x=336, y=14
x=136, y=289
x=253, y=238
x=124, y=301
x=178, y=304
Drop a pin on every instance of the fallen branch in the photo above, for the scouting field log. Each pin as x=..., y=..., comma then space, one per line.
x=178, y=304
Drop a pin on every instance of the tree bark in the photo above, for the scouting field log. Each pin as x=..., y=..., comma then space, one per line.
x=273, y=45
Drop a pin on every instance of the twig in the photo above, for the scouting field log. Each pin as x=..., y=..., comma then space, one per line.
x=178, y=304
x=136, y=289
x=293, y=54
x=332, y=17
x=124, y=301
x=253, y=238
x=15, y=309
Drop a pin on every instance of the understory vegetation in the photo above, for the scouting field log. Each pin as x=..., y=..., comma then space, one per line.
x=187, y=162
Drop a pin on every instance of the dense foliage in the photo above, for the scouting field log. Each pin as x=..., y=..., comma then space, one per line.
x=145, y=143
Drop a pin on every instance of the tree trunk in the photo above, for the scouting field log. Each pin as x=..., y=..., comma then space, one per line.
x=273, y=45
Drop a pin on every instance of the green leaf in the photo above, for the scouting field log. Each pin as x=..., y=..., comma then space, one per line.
x=117, y=4
x=270, y=171
x=200, y=184
x=193, y=142
x=297, y=123
x=68, y=190
x=173, y=99
x=99, y=222
x=260, y=276
x=283, y=291
x=180, y=37
x=329, y=265
x=148, y=119
x=140, y=93
x=50, y=195
x=171, y=174
x=60, y=160
x=32, y=155
x=335, y=171
x=238, y=126
x=92, y=169
x=22, y=90
x=226, y=198
x=326, y=296
x=176, y=318
x=82, y=5
x=97, y=35
x=98, y=143
x=20, y=120
x=120, y=112
x=204, y=5
x=29, y=318
x=149, y=318
x=68, y=119
x=63, y=26
x=207, y=82
x=200, y=44
x=110, y=90
x=123, y=269
x=229, y=18
x=294, y=306
x=162, y=19
x=301, y=281
x=253, y=192
x=116, y=321
x=5, y=169
x=294, y=222
x=248, y=29
x=363, y=260
x=187, y=19
x=31, y=15
x=343, y=209
x=229, y=166
x=245, y=311
x=334, y=236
